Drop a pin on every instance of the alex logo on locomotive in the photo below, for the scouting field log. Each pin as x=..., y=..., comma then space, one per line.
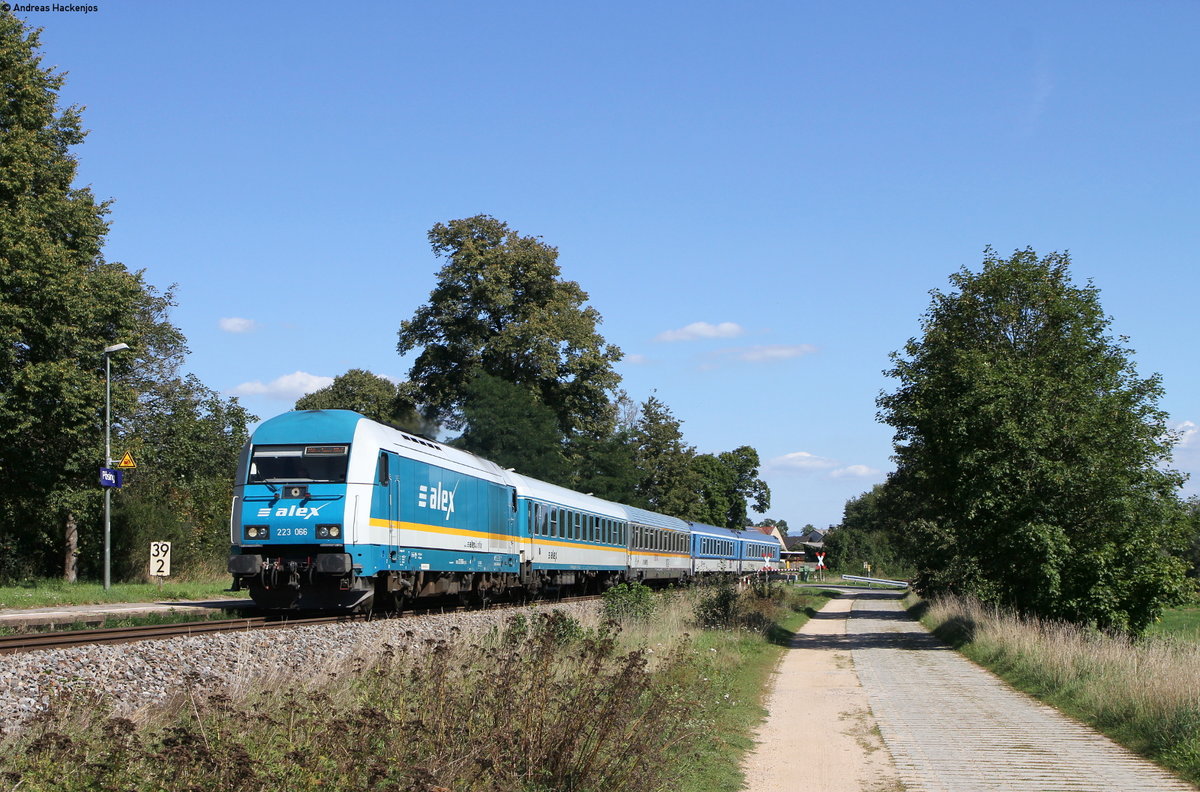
x=437, y=498
x=307, y=512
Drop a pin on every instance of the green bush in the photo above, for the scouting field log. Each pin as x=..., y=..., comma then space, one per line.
x=629, y=601
x=719, y=608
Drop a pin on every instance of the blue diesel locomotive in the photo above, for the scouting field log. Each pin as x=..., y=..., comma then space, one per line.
x=334, y=511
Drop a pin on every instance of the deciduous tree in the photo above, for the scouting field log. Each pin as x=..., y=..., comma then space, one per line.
x=500, y=307
x=61, y=303
x=376, y=397
x=1031, y=456
x=505, y=424
x=668, y=483
x=726, y=481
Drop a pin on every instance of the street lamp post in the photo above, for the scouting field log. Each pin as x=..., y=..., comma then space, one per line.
x=108, y=460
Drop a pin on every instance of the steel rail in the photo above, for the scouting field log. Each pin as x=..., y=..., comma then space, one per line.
x=67, y=639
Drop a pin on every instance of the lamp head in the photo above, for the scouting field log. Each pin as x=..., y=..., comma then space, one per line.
x=115, y=348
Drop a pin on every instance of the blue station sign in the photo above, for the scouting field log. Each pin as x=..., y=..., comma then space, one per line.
x=110, y=477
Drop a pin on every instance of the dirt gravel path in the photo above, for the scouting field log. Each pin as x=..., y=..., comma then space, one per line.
x=868, y=701
x=819, y=735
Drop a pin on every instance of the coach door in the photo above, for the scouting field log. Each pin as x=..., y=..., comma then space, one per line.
x=389, y=481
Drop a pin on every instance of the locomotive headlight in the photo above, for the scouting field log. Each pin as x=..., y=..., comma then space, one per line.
x=257, y=532
x=329, y=531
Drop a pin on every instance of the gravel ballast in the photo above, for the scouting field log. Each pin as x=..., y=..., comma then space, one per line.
x=136, y=675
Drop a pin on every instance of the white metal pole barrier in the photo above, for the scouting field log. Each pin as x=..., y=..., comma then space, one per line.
x=880, y=581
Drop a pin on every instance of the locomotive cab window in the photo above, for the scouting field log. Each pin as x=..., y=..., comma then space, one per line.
x=384, y=475
x=290, y=463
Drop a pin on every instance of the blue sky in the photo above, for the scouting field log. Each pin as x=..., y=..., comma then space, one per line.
x=757, y=197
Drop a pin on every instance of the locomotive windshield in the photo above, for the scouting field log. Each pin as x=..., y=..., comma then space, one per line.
x=292, y=463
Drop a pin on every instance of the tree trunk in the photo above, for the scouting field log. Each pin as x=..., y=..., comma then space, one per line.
x=70, y=563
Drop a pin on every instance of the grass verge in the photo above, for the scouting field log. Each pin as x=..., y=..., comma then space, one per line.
x=1182, y=622
x=1144, y=694
x=51, y=593
x=546, y=703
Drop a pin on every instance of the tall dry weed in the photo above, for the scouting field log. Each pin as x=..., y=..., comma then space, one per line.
x=550, y=704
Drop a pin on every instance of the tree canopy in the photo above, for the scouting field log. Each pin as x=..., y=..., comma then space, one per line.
x=506, y=424
x=1031, y=457
x=669, y=482
x=376, y=397
x=725, y=482
x=500, y=307
x=61, y=304
x=869, y=533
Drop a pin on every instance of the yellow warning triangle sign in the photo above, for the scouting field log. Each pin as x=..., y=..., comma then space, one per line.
x=127, y=461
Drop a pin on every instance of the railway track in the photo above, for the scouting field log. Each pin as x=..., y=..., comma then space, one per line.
x=66, y=639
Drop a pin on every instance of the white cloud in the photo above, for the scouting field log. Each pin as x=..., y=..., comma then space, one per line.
x=635, y=359
x=800, y=461
x=289, y=387
x=698, y=330
x=1189, y=434
x=856, y=471
x=758, y=354
x=233, y=324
